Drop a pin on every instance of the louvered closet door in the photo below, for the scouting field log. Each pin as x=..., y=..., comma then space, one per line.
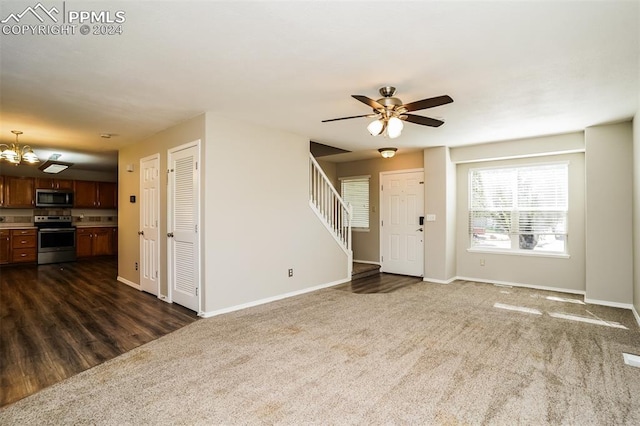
x=184, y=274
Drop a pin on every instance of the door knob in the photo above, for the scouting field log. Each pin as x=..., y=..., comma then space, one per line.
x=170, y=235
x=140, y=232
x=419, y=229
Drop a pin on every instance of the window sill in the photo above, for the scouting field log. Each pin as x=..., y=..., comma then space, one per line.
x=360, y=229
x=525, y=253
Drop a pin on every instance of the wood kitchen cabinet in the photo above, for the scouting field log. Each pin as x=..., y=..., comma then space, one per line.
x=18, y=245
x=23, y=245
x=89, y=194
x=19, y=192
x=1, y=191
x=50, y=183
x=94, y=241
x=5, y=246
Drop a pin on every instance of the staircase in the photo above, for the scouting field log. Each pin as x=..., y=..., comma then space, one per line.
x=333, y=212
x=363, y=270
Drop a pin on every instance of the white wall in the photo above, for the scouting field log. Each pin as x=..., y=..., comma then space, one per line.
x=257, y=219
x=609, y=243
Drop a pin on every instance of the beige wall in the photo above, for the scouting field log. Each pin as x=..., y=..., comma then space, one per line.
x=366, y=245
x=551, y=272
x=440, y=200
x=256, y=219
x=258, y=222
x=609, y=244
x=331, y=170
x=129, y=184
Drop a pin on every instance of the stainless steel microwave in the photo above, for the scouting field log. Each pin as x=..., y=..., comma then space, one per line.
x=54, y=198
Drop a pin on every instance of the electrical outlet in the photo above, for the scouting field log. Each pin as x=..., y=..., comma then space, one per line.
x=136, y=266
x=481, y=262
x=290, y=272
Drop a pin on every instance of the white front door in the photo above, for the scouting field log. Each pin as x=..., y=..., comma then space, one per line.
x=149, y=224
x=183, y=223
x=401, y=235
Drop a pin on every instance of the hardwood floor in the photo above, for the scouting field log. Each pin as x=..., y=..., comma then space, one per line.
x=380, y=283
x=58, y=320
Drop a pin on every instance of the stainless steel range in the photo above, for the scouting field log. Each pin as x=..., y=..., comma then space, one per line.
x=56, y=239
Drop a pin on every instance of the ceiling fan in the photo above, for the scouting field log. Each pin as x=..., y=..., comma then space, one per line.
x=390, y=112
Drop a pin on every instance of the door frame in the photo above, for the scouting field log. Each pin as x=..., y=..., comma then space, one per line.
x=380, y=209
x=198, y=145
x=155, y=156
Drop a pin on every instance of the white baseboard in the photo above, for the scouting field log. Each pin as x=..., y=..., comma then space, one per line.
x=433, y=280
x=129, y=283
x=635, y=314
x=607, y=303
x=271, y=299
x=537, y=287
x=367, y=262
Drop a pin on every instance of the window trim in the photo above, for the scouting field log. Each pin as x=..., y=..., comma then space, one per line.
x=518, y=251
x=360, y=177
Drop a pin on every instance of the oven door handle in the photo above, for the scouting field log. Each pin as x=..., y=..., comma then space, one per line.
x=56, y=229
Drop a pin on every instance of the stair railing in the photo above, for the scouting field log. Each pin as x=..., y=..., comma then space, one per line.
x=329, y=206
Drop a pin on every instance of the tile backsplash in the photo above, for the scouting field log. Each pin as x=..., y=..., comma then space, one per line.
x=80, y=216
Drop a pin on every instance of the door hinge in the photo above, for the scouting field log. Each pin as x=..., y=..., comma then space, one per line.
x=156, y=274
x=381, y=187
x=381, y=258
x=196, y=291
x=382, y=223
x=196, y=228
x=196, y=165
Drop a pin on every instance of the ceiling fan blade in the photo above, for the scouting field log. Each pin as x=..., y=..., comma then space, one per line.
x=425, y=121
x=428, y=103
x=368, y=101
x=347, y=118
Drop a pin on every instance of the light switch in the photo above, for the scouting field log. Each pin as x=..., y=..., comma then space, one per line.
x=431, y=218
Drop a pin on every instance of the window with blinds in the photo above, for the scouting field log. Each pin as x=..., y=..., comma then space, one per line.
x=355, y=191
x=519, y=208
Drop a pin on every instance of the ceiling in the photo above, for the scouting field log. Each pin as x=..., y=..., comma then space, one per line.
x=514, y=70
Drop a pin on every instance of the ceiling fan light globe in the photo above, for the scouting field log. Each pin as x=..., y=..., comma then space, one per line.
x=375, y=127
x=394, y=127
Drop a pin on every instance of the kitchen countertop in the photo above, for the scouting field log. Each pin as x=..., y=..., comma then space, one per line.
x=95, y=225
x=17, y=226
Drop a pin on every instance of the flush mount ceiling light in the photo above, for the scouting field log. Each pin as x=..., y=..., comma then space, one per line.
x=390, y=113
x=387, y=152
x=16, y=155
x=52, y=165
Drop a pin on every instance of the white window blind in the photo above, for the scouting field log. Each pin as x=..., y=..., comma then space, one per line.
x=519, y=208
x=355, y=191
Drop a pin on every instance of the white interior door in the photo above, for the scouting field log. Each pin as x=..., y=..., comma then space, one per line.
x=401, y=235
x=149, y=224
x=183, y=223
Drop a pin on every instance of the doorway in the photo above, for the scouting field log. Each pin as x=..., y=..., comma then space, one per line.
x=401, y=227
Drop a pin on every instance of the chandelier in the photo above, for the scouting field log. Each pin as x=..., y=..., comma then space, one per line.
x=15, y=155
